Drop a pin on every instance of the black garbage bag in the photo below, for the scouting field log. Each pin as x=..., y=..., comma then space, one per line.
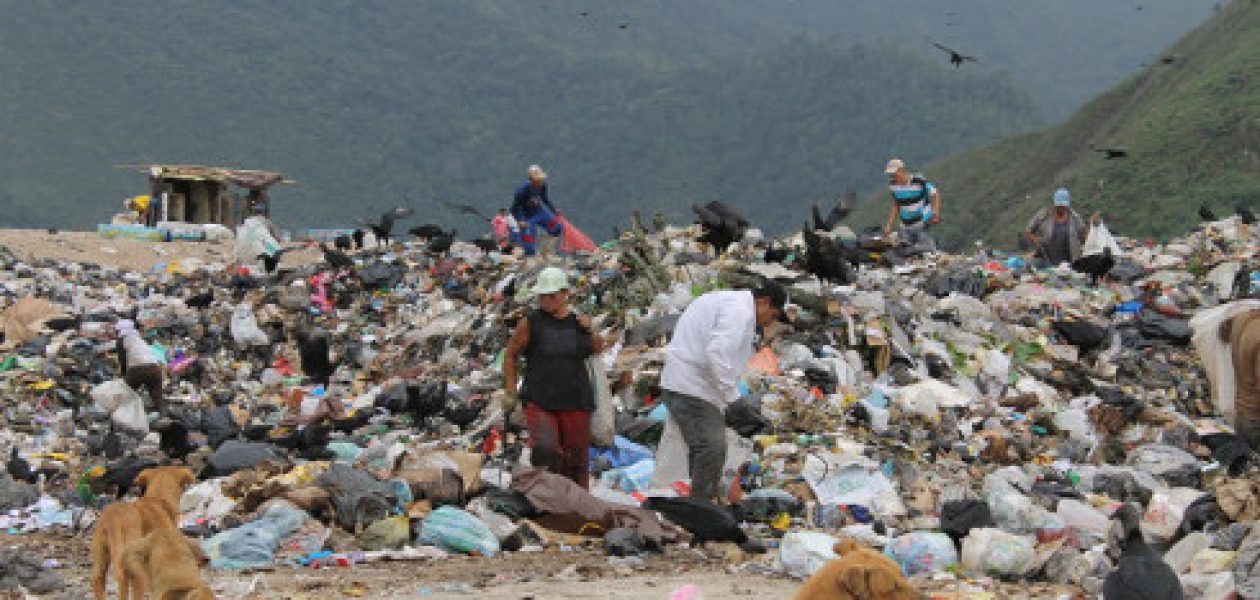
x=1126, y=271
x=1230, y=450
x=218, y=425
x=235, y=455
x=381, y=274
x=959, y=517
x=623, y=541
x=1082, y=334
x=511, y=503
x=1162, y=328
x=744, y=416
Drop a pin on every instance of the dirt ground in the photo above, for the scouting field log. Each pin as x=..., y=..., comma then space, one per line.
x=517, y=576
x=90, y=247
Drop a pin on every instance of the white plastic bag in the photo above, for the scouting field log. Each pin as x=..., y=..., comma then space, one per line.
x=996, y=552
x=245, y=330
x=604, y=419
x=112, y=394
x=803, y=553
x=1166, y=510
x=1098, y=240
x=1215, y=353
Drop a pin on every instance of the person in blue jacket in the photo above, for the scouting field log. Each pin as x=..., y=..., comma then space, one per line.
x=532, y=210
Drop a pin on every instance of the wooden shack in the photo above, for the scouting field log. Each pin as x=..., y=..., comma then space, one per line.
x=199, y=195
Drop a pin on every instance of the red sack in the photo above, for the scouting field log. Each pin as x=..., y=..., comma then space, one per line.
x=572, y=240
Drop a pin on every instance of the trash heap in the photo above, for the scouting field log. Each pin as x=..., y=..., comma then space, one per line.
x=976, y=419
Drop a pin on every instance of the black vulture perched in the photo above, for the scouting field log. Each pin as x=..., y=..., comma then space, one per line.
x=1096, y=266
x=1082, y=334
x=357, y=236
x=383, y=230
x=200, y=301
x=834, y=217
x=463, y=414
x=313, y=354
x=826, y=258
x=335, y=259
x=271, y=261
x=440, y=244
x=1244, y=213
x=722, y=226
x=1205, y=213
x=485, y=244
x=704, y=520
x=345, y=243
x=19, y=469
x=1140, y=573
x=427, y=231
x=425, y=400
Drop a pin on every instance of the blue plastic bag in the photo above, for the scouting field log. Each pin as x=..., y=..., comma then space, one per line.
x=623, y=453
x=457, y=530
x=253, y=545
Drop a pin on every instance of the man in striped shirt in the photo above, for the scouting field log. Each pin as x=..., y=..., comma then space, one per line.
x=916, y=203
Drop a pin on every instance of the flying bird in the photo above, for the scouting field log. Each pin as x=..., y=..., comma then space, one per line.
x=956, y=58
x=623, y=26
x=834, y=217
x=1110, y=153
x=1140, y=573
x=467, y=209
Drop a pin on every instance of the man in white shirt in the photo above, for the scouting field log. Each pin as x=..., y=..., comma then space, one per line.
x=706, y=356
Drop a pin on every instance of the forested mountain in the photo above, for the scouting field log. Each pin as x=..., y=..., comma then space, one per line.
x=1190, y=126
x=649, y=104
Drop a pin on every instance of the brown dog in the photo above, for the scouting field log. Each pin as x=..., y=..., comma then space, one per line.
x=859, y=574
x=123, y=522
x=169, y=564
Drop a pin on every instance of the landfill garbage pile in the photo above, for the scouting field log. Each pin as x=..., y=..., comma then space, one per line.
x=977, y=420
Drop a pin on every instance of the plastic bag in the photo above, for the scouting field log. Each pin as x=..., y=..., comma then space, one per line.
x=1083, y=518
x=253, y=545
x=1098, y=240
x=764, y=362
x=245, y=330
x=634, y=478
x=131, y=416
x=996, y=552
x=623, y=453
x=572, y=239
x=1166, y=510
x=457, y=530
x=604, y=419
x=923, y=552
x=803, y=553
x=112, y=394
x=671, y=456
x=1215, y=354
x=387, y=534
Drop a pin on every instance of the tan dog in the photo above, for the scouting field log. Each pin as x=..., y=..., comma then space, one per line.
x=124, y=522
x=859, y=574
x=168, y=563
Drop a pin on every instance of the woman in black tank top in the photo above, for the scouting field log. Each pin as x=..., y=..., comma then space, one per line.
x=556, y=391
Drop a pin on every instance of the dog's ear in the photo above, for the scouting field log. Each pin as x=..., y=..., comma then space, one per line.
x=142, y=480
x=186, y=477
x=844, y=546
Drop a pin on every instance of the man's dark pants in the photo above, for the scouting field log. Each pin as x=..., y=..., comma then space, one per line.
x=703, y=428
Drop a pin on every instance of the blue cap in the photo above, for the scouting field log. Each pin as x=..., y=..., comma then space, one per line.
x=1062, y=197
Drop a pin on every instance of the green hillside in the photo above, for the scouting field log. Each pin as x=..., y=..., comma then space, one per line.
x=368, y=103
x=1192, y=130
